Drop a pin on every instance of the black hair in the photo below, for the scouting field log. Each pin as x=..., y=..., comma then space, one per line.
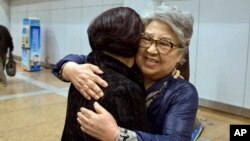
x=116, y=31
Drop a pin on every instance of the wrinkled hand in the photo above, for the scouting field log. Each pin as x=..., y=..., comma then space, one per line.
x=100, y=125
x=85, y=78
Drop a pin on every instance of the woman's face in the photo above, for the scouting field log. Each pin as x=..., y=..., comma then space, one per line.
x=153, y=63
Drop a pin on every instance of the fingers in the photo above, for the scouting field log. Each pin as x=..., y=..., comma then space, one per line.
x=89, y=92
x=97, y=79
x=85, y=94
x=82, y=120
x=100, y=125
x=82, y=128
x=86, y=80
x=181, y=77
x=91, y=85
x=176, y=73
x=96, y=69
x=83, y=117
x=99, y=109
x=86, y=124
x=94, y=87
x=82, y=90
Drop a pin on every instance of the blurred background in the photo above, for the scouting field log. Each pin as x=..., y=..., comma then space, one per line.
x=219, y=62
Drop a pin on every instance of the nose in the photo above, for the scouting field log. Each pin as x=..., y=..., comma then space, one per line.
x=152, y=48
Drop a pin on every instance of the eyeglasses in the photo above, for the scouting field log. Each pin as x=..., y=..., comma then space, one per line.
x=162, y=45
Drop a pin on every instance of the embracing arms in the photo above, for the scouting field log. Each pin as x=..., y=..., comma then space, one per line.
x=85, y=77
x=101, y=117
x=73, y=68
x=177, y=120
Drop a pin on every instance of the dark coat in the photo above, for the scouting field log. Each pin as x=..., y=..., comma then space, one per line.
x=124, y=98
x=5, y=40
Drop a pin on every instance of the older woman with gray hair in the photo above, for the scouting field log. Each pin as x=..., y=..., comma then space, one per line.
x=171, y=103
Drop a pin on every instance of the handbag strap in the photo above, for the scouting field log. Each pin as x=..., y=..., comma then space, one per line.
x=10, y=55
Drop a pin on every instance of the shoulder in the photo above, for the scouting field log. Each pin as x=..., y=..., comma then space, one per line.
x=120, y=84
x=117, y=80
x=183, y=89
x=181, y=93
x=181, y=84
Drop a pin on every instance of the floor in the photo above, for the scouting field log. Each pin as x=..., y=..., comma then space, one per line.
x=33, y=106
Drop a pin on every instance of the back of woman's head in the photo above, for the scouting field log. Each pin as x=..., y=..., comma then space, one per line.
x=180, y=21
x=116, y=31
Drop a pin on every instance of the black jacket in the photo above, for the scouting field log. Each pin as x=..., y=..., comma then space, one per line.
x=5, y=40
x=124, y=98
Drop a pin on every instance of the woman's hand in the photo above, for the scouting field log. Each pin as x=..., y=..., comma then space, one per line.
x=85, y=78
x=176, y=73
x=100, y=125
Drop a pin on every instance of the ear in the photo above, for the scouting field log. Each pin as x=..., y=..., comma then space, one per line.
x=182, y=57
x=181, y=61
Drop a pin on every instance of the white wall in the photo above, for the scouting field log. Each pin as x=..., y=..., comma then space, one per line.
x=4, y=13
x=219, y=50
x=63, y=24
x=222, y=50
x=247, y=84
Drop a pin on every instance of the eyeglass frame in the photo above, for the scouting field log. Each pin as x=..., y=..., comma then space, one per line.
x=152, y=41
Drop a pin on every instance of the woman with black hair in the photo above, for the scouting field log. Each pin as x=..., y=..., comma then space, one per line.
x=113, y=50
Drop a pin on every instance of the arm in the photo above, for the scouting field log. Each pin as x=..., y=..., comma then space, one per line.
x=177, y=125
x=79, y=59
x=83, y=76
x=9, y=40
x=6, y=39
x=108, y=131
x=128, y=108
